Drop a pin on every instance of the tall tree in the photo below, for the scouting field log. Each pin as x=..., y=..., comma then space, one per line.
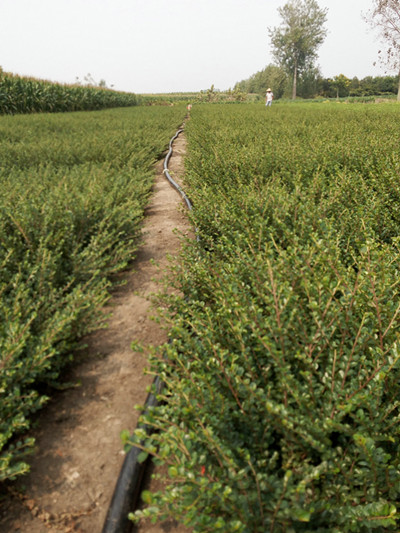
x=296, y=40
x=270, y=76
x=385, y=16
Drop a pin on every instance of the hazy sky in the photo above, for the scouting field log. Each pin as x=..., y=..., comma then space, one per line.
x=147, y=46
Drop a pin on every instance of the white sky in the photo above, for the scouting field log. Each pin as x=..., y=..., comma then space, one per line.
x=145, y=46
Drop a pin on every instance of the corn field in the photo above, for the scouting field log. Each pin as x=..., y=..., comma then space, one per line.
x=29, y=95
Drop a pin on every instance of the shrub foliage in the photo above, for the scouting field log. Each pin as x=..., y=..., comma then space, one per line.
x=72, y=193
x=282, y=398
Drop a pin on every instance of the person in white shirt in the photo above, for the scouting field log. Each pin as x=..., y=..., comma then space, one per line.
x=269, y=97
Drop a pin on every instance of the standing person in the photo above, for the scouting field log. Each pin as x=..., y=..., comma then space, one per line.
x=269, y=97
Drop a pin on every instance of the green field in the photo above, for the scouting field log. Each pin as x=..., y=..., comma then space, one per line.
x=73, y=188
x=283, y=372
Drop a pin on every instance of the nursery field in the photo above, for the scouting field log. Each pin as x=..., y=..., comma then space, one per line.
x=283, y=371
x=73, y=188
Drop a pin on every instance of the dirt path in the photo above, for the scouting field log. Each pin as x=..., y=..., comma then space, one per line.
x=80, y=453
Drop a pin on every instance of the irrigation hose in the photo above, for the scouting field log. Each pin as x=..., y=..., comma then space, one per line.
x=168, y=175
x=128, y=487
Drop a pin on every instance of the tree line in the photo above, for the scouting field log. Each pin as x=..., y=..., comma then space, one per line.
x=311, y=84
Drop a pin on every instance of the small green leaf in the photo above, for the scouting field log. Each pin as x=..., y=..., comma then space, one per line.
x=142, y=457
x=173, y=471
x=147, y=497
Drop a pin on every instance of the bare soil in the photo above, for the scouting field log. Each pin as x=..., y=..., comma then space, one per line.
x=79, y=450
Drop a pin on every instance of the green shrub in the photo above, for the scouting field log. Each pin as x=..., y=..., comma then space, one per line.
x=73, y=192
x=282, y=376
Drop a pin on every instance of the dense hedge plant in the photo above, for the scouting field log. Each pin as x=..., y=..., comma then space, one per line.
x=72, y=193
x=20, y=94
x=282, y=400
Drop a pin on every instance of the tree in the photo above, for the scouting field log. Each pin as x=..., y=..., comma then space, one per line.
x=91, y=82
x=270, y=76
x=309, y=83
x=341, y=83
x=385, y=16
x=296, y=40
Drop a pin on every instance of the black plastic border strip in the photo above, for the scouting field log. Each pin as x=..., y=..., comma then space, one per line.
x=129, y=483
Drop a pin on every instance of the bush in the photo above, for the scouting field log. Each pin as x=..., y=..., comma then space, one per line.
x=74, y=188
x=281, y=405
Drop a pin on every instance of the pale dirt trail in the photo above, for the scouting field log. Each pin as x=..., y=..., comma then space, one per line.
x=80, y=454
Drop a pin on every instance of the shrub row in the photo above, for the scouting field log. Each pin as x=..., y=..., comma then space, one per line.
x=72, y=193
x=282, y=399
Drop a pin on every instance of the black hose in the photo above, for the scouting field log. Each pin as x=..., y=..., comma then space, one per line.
x=173, y=182
x=128, y=487
x=168, y=176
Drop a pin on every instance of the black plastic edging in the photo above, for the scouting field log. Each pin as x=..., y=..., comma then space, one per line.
x=128, y=487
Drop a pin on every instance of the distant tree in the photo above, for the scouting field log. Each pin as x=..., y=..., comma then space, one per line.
x=211, y=94
x=296, y=40
x=385, y=17
x=277, y=79
x=367, y=85
x=326, y=89
x=341, y=83
x=386, y=84
x=309, y=83
x=236, y=95
x=355, y=87
x=241, y=86
x=379, y=84
x=271, y=76
x=91, y=82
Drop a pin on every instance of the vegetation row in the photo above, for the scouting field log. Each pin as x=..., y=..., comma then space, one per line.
x=72, y=192
x=28, y=95
x=282, y=399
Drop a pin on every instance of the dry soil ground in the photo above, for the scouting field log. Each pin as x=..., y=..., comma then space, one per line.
x=80, y=453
